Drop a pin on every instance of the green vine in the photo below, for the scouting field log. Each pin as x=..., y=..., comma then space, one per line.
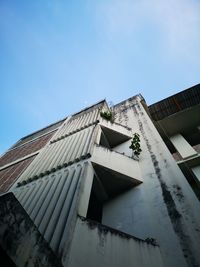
x=135, y=144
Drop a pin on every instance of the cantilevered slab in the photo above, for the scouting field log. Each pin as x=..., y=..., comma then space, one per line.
x=115, y=133
x=124, y=168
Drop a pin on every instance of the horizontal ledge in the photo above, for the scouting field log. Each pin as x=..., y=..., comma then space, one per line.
x=73, y=132
x=104, y=229
x=47, y=172
x=117, y=162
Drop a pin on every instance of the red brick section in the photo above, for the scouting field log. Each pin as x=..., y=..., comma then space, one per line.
x=39, y=133
x=26, y=149
x=9, y=175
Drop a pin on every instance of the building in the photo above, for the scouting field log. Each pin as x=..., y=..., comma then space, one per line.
x=75, y=194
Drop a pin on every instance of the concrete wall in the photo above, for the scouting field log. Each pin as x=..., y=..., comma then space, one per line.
x=77, y=123
x=71, y=148
x=52, y=203
x=49, y=189
x=20, y=239
x=164, y=206
x=120, y=148
x=116, y=162
x=97, y=245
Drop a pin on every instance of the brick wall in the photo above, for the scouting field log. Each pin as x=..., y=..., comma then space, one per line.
x=9, y=175
x=24, y=150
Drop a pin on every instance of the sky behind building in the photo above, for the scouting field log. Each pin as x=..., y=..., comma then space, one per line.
x=60, y=56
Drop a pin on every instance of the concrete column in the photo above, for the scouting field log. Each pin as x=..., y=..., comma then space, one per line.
x=196, y=171
x=182, y=146
x=85, y=192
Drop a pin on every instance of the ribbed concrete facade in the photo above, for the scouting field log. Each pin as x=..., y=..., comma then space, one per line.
x=77, y=123
x=50, y=202
x=95, y=202
x=74, y=147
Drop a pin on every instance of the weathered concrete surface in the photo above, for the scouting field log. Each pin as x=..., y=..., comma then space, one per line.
x=100, y=246
x=79, y=122
x=115, y=133
x=52, y=203
x=68, y=150
x=20, y=239
x=117, y=162
x=164, y=206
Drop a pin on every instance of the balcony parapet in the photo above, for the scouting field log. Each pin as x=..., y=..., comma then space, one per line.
x=117, y=127
x=110, y=247
x=117, y=162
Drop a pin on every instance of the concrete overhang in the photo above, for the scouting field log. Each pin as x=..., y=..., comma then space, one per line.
x=115, y=133
x=191, y=162
x=116, y=171
x=181, y=121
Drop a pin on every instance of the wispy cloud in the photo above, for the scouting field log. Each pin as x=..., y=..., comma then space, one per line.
x=175, y=22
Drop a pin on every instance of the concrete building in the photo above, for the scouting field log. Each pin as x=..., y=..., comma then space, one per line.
x=74, y=194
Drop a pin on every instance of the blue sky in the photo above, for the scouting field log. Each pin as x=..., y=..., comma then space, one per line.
x=57, y=57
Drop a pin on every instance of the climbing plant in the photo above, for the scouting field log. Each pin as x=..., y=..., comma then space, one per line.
x=135, y=144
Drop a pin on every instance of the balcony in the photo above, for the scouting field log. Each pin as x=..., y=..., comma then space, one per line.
x=115, y=171
x=115, y=133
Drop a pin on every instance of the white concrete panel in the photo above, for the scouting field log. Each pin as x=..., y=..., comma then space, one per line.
x=116, y=162
x=119, y=128
x=182, y=146
x=85, y=192
x=124, y=148
x=164, y=206
x=99, y=246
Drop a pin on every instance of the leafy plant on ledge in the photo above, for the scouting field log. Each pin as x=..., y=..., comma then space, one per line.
x=107, y=115
x=135, y=145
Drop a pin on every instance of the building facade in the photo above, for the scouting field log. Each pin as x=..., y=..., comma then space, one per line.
x=94, y=202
